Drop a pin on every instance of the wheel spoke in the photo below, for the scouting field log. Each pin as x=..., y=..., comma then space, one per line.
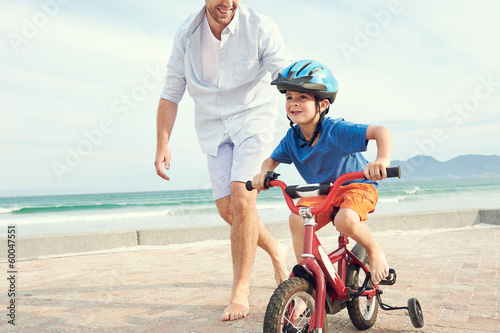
x=291, y=308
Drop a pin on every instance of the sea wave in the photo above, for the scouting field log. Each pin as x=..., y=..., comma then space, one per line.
x=85, y=218
x=125, y=214
x=413, y=191
x=400, y=199
x=6, y=210
x=91, y=207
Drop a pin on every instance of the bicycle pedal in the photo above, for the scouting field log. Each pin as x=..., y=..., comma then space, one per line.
x=390, y=280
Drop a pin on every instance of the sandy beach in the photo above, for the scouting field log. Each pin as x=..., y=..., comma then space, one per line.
x=452, y=269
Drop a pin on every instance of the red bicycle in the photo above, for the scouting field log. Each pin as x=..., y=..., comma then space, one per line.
x=315, y=288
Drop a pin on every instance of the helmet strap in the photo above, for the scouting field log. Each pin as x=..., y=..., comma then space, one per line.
x=297, y=133
x=316, y=131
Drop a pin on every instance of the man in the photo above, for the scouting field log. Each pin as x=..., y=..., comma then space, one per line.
x=224, y=55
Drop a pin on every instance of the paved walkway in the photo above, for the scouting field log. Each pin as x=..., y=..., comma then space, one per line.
x=183, y=288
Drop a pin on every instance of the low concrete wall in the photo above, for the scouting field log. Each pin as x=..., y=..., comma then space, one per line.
x=427, y=220
x=490, y=216
x=419, y=221
x=36, y=246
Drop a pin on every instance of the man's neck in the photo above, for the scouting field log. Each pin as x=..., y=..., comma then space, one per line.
x=215, y=27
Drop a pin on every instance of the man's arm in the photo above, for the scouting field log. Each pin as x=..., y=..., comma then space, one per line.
x=167, y=112
x=376, y=170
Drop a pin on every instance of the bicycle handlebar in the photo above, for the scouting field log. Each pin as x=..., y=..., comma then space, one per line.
x=393, y=172
x=328, y=190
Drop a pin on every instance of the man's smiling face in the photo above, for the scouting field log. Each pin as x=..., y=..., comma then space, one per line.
x=222, y=11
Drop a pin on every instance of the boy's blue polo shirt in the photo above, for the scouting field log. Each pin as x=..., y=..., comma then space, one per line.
x=337, y=151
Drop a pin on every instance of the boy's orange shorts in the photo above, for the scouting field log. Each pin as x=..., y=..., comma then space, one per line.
x=360, y=197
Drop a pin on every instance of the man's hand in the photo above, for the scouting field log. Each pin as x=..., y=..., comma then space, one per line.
x=167, y=111
x=376, y=170
x=162, y=157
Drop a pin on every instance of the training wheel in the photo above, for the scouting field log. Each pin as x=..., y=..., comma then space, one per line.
x=415, y=311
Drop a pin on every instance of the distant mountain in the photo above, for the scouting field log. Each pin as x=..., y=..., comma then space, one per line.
x=466, y=166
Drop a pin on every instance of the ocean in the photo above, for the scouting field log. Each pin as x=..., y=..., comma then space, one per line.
x=63, y=214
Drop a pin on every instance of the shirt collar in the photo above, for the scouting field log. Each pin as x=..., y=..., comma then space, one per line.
x=201, y=14
x=231, y=27
x=196, y=22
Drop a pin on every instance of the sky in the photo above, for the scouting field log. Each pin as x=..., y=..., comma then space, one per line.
x=80, y=84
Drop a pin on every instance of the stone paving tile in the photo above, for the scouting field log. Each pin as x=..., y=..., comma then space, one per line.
x=183, y=288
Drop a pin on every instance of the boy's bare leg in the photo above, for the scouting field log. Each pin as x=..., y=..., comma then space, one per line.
x=348, y=223
x=246, y=232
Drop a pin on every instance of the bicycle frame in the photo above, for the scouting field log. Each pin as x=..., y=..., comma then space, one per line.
x=317, y=261
x=317, y=266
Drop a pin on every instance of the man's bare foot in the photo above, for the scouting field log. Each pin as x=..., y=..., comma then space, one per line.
x=299, y=308
x=379, y=268
x=235, y=311
x=280, y=271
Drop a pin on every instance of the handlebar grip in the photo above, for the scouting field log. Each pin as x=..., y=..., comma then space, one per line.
x=309, y=190
x=249, y=186
x=394, y=172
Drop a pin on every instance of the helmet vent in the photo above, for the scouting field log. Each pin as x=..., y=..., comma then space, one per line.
x=315, y=70
x=302, y=68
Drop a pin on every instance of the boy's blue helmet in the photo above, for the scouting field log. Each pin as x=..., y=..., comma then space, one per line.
x=308, y=76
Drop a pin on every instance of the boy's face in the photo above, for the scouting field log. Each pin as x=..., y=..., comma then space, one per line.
x=301, y=107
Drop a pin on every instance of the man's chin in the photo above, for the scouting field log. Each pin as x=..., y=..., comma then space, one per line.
x=224, y=20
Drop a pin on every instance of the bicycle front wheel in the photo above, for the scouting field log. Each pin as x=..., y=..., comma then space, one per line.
x=292, y=307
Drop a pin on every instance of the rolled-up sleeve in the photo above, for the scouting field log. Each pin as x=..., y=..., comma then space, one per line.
x=175, y=81
x=275, y=55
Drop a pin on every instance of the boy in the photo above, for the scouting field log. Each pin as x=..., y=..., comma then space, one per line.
x=322, y=149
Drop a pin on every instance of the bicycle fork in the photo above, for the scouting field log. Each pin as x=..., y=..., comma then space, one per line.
x=316, y=267
x=309, y=268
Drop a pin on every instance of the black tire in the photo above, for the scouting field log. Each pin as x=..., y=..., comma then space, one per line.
x=280, y=310
x=362, y=312
x=415, y=312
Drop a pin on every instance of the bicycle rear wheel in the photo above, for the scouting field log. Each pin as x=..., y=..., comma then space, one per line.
x=292, y=307
x=362, y=309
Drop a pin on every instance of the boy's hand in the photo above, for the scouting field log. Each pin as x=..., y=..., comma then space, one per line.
x=376, y=170
x=258, y=181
